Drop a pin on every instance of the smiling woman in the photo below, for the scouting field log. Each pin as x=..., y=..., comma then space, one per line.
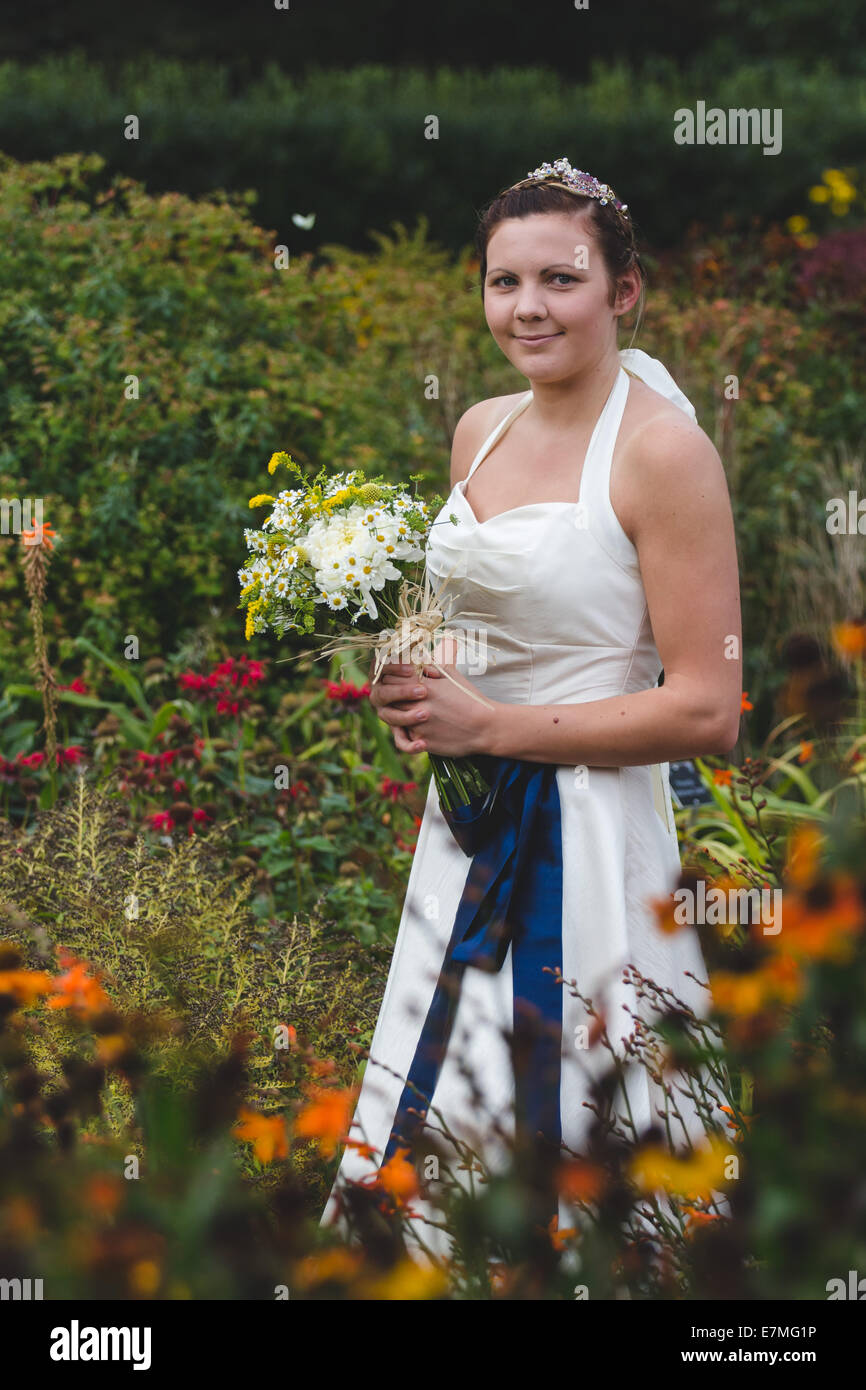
x=597, y=547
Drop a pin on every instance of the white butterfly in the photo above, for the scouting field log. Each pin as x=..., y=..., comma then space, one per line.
x=301, y=221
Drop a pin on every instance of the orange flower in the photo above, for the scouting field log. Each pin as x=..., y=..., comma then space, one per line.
x=849, y=639
x=806, y=751
x=397, y=1177
x=741, y=1126
x=102, y=1194
x=777, y=982
x=76, y=989
x=559, y=1239
x=111, y=1047
x=40, y=535
x=745, y=702
x=823, y=932
x=722, y=776
x=580, y=1181
x=266, y=1133
x=326, y=1117
x=330, y=1267
x=696, y=1218
x=364, y=1150
x=804, y=856
x=25, y=986
x=664, y=909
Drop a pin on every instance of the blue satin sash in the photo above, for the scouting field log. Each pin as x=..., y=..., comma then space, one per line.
x=512, y=896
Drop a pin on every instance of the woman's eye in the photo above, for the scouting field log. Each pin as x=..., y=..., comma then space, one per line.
x=560, y=275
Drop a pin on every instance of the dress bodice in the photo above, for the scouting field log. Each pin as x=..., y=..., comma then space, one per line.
x=549, y=596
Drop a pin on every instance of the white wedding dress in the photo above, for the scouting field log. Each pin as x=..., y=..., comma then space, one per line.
x=566, y=621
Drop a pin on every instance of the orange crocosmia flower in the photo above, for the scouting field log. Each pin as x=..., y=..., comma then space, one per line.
x=722, y=776
x=740, y=1126
x=745, y=702
x=664, y=909
x=39, y=536
x=559, y=1239
x=25, y=986
x=266, y=1133
x=326, y=1117
x=736, y=994
x=696, y=1218
x=849, y=639
x=78, y=990
x=581, y=1182
x=364, y=1150
x=806, y=751
x=398, y=1178
x=103, y=1194
x=779, y=981
x=823, y=933
x=804, y=856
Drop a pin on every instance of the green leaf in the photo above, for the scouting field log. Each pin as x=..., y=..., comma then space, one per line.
x=121, y=671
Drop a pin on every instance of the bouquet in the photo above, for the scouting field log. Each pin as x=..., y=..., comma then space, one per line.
x=333, y=544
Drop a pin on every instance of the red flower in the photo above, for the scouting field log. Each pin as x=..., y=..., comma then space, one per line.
x=31, y=759
x=161, y=820
x=346, y=693
x=77, y=685
x=388, y=787
x=73, y=754
x=401, y=843
x=190, y=680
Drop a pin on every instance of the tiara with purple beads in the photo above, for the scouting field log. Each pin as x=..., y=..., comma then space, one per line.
x=560, y=171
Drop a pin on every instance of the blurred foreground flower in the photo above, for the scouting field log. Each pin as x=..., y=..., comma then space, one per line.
x=266, y=1133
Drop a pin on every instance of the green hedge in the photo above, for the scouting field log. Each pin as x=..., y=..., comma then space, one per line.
x=350, y=145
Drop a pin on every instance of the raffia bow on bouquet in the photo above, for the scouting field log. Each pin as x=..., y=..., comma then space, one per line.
x=413, y=640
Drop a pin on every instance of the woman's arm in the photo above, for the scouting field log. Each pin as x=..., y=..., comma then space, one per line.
x=684, y=535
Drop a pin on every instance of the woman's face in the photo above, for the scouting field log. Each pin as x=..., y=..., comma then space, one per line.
x=546, y=276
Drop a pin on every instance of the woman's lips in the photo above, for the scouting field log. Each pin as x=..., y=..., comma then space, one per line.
x=547, y=338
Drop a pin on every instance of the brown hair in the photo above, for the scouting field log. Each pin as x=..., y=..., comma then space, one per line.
x=616, y=237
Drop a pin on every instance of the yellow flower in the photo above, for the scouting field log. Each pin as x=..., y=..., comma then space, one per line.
x=406, y=1281
x=819, y=194
x=253, y=608
x=699, y=1175
x=842, y=189
x=279, y=458
x=797, y=224
x=330, y=1266
x=260, y=499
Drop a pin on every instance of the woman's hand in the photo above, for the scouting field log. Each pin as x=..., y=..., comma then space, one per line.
x=395, y=697
x=442, y=719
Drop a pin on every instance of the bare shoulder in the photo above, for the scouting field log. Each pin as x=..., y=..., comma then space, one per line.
x=473, y=427
x=665, y=461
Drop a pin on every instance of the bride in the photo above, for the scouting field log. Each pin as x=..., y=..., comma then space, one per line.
x=594, y=534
